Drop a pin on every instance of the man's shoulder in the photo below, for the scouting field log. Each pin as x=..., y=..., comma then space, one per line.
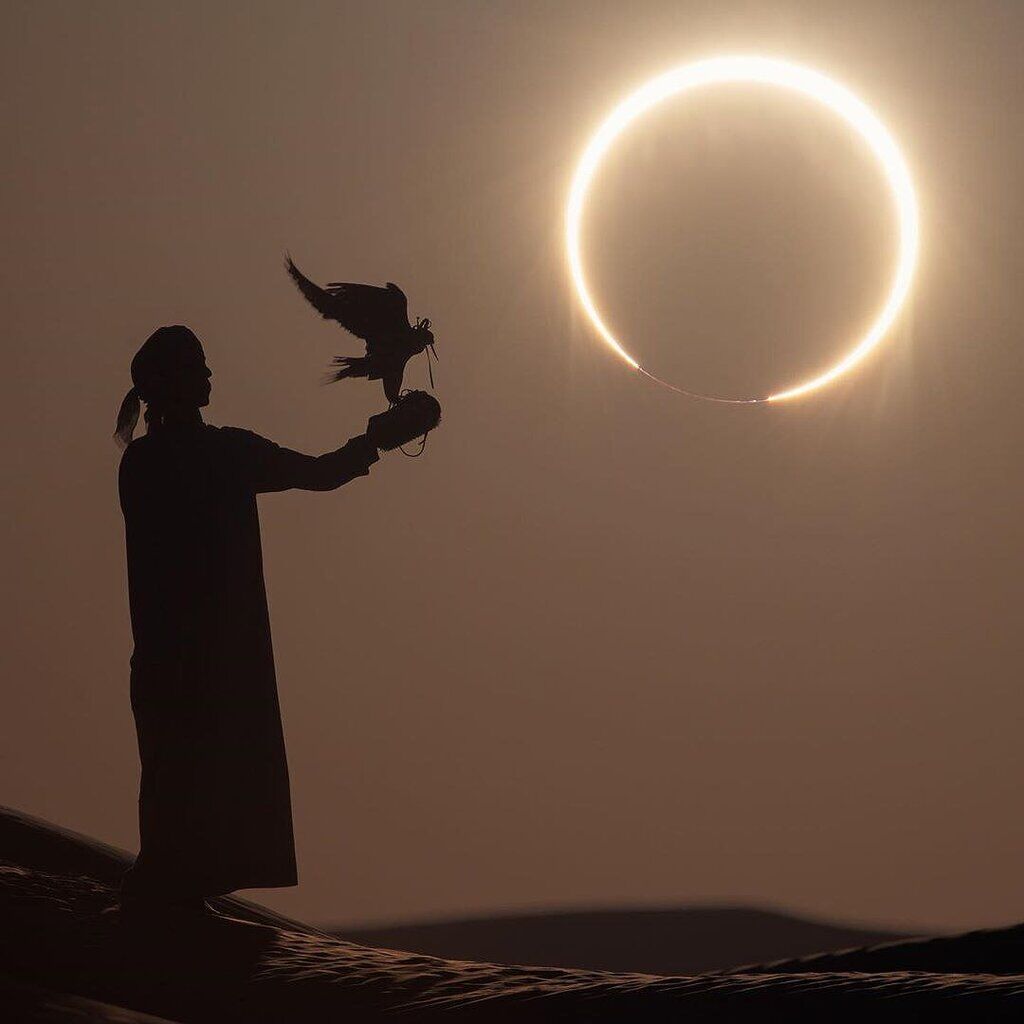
x=136, y=452
x=238, y=437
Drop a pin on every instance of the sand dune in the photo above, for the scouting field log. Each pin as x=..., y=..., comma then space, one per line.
x=22, y=1002
x=687, y=940
x=63, y=935
x=989, y=951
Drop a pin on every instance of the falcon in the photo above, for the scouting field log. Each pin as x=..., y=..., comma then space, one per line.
x=380, y=316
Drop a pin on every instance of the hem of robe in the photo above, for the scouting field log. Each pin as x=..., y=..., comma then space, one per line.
x=222, y=889
x=221, y=885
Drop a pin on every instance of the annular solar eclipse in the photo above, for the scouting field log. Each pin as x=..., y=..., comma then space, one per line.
x=781, y=74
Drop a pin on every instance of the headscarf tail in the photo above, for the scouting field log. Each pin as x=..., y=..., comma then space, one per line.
x=127, y=418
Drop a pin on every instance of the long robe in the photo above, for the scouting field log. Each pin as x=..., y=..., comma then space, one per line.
x=214, y=802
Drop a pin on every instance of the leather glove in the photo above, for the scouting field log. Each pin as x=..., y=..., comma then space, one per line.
x=414, y=415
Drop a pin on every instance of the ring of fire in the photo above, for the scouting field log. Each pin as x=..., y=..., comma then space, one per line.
x=767, y=71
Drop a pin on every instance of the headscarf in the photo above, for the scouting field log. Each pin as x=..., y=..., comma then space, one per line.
x=153, y=364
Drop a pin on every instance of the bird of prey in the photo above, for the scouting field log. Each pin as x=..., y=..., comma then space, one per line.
x=380, y=317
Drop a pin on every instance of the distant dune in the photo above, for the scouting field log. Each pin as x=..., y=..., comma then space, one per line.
x=66, y=954
x=689, y=940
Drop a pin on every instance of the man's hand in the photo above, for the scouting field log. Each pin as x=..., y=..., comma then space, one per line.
x=412, y=416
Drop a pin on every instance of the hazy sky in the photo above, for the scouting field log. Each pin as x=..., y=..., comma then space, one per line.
x=602, y=644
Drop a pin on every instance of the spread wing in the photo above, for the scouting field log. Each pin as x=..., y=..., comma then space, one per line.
x=371, y=313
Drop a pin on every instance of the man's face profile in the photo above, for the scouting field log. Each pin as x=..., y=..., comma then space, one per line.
x=185, y=379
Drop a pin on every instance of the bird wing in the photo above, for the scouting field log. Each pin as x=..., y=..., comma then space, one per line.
x=371, y=313
x=374, y=314
x=316, y=296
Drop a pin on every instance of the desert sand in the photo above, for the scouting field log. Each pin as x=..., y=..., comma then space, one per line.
x=69, y=954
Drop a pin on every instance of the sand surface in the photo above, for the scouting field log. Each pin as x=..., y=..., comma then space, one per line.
x=64, y=937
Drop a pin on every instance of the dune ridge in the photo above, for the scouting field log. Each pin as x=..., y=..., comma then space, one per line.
x=651, y=940
x=64, y=935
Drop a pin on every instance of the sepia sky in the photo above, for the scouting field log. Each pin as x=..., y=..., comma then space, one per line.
x=601, y=645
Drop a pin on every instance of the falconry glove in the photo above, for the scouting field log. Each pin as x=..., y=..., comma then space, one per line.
x=414, y=415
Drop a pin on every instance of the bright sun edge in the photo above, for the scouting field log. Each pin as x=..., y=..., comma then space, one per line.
x=769, y=71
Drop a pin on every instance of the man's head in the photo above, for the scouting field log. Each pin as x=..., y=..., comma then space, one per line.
x=170, y=371
x=169, y=374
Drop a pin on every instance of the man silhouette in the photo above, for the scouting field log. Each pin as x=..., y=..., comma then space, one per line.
x=214, y=803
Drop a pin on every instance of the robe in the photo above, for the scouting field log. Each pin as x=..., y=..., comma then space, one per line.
x=214, y=802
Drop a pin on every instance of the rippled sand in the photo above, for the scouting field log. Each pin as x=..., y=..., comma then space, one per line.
x=68, y=952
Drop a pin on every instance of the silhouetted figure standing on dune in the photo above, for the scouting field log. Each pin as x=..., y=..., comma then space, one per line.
x=214, y=804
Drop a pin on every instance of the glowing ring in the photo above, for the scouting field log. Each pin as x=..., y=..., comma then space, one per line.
x=769, y=72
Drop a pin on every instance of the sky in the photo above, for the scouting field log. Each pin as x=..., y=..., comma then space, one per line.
x=602, y=645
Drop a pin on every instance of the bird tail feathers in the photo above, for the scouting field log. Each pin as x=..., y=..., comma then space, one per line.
x=349, y=366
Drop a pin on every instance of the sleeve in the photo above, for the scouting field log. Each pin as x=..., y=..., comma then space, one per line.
x=271, y=467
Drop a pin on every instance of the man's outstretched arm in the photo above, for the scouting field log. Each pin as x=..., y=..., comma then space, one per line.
x=283, y=469
x=279, y=469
